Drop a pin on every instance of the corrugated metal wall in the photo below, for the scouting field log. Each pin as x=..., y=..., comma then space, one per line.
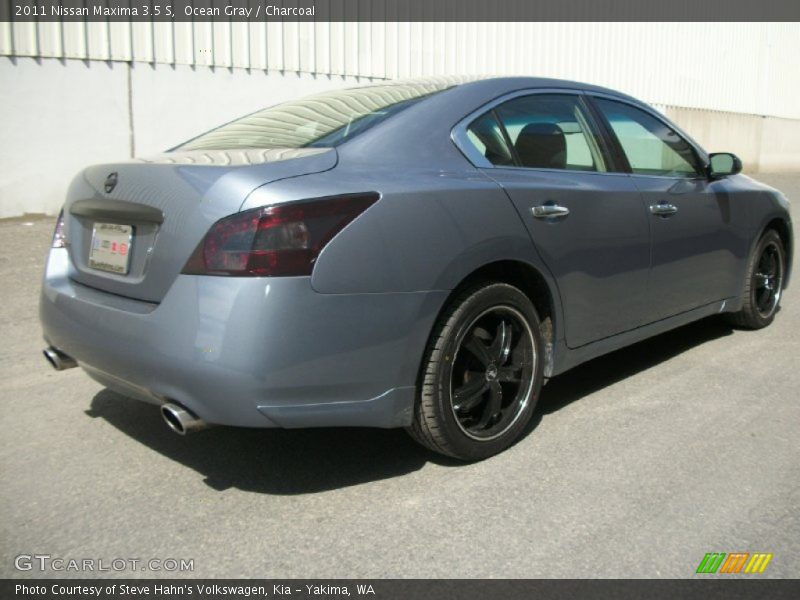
x=739, y=67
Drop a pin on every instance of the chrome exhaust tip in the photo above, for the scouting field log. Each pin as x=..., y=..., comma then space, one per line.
x=58, y=360
x=180, y=420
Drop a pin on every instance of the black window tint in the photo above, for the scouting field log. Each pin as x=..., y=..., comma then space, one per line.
x=651, y=146
x=550, y=131
x=485, y=134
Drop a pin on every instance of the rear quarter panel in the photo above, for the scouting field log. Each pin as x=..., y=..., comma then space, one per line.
x=428, y=231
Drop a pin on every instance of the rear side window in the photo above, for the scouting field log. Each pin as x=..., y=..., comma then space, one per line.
x=486, y=135
x=542, y=131
x=650, y=145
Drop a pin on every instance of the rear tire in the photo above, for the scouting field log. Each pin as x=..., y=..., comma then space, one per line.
x=763, y=284
x=481, y=374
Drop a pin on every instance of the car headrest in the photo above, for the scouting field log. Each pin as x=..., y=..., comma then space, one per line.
x=542, y=145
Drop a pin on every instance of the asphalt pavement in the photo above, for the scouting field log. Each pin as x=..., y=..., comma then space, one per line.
x=638, y=464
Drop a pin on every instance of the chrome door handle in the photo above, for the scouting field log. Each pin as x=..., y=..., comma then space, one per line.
x=549, y=210
x=663, y=208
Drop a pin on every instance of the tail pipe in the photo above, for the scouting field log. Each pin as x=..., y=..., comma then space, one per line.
x=58, y=360
x=181, y=420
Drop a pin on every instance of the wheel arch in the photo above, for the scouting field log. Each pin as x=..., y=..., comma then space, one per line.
x=532, y=283
x=784, y=231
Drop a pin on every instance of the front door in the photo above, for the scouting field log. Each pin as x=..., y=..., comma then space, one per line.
x=696, y=251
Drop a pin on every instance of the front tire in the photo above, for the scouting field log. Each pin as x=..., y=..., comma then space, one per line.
x=481, y=375
x=763, y=284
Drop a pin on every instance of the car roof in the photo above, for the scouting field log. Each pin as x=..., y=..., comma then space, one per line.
x=501, y=84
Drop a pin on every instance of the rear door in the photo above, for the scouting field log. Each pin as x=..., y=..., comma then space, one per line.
x=696, y=250
x=587, y=223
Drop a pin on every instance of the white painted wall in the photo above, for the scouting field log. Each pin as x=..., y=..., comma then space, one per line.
x=780, y=145
x=56, y=118
x=736, y=67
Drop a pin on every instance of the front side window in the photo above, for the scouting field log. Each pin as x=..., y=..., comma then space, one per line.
x=651, y=147
x=541, y=131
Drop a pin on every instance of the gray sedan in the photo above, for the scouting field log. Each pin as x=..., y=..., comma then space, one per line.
x=419, y=254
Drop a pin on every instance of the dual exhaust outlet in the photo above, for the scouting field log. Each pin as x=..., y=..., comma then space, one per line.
x=179, y=419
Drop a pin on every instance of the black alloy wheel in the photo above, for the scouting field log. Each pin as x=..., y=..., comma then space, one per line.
x=481, y=375
x=768, y=279
x=763, y=284
x=492, y=372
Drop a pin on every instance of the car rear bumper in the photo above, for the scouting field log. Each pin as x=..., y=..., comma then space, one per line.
x=251, y=352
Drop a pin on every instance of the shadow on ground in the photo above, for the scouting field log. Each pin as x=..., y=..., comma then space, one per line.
x=316, y=460
x=270, y=461
x=606, y=370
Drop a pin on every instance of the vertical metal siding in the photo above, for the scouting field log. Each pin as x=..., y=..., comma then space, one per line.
x=739, y=67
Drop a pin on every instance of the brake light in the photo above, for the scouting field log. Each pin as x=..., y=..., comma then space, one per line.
x=59, y=238
x=283, y=240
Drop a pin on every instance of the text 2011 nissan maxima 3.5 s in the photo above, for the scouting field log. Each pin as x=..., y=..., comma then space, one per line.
x=417, y=254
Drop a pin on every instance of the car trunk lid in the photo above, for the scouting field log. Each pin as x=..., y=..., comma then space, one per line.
x=131, y=226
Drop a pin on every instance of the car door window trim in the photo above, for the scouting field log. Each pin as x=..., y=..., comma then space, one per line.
x=619, y=161
x=507, y=139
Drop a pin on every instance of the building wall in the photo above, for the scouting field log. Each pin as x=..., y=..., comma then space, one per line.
x=764, y=143
x=780, y=140
x=735, y=67
x=73, y=94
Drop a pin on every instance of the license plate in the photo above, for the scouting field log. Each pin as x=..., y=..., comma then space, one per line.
x=111, y=247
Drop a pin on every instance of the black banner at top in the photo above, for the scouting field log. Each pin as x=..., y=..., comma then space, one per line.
x=398, y=10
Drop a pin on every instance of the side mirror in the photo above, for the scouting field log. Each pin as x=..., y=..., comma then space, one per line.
x=722, y=164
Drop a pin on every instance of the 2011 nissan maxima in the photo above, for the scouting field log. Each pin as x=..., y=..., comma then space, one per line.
x=417, y=254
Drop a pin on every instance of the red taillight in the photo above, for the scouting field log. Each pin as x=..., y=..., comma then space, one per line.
x=59, y=238
x=282, y=240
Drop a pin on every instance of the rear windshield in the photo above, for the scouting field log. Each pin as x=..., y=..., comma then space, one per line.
x=323, y=120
